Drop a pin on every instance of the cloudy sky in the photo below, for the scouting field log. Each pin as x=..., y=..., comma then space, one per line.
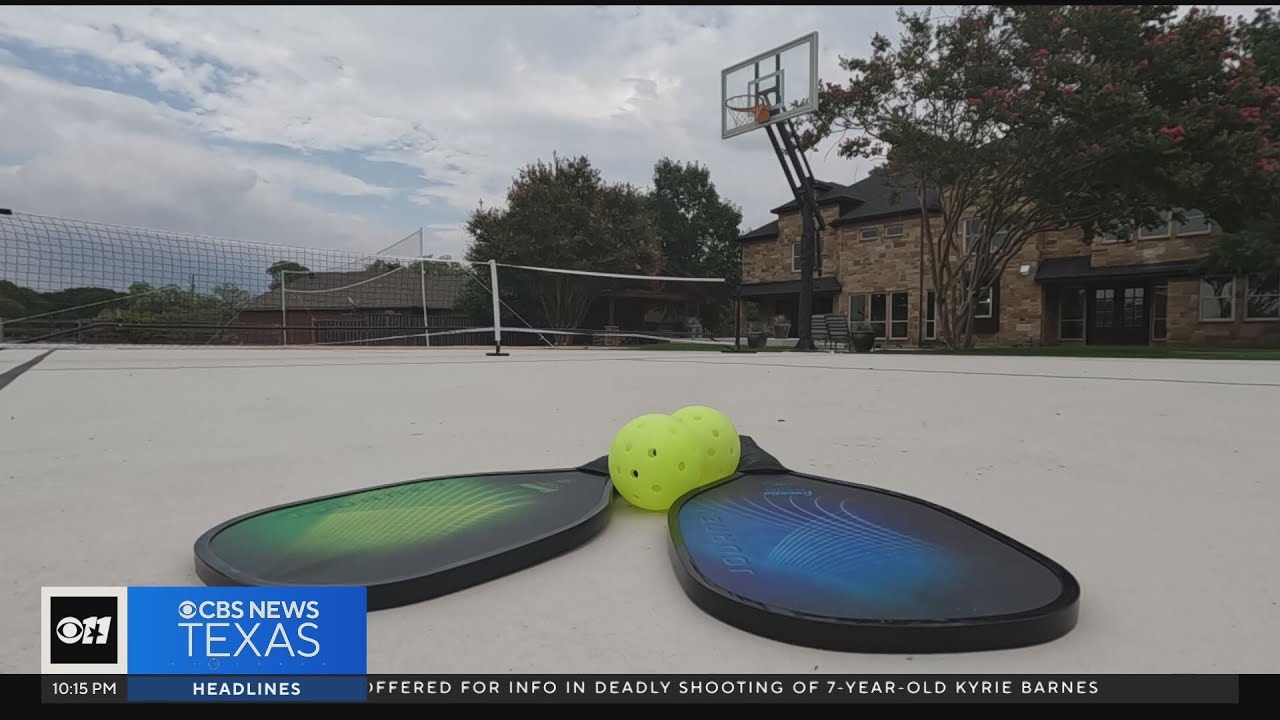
x=351, y=127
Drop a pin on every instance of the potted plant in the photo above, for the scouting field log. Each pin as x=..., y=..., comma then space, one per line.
x=781, y=326
x=757, y=336
x=864, y=337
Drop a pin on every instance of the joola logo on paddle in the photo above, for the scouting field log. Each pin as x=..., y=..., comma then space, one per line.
x=726, y=544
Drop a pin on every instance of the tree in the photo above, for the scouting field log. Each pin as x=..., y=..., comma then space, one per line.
x=563, y=215
x=231, y=297
x=1019, y=120
x=1255, y=248
x=280, y=267
x=382, y=265
x=698, y=230
x=430, y=266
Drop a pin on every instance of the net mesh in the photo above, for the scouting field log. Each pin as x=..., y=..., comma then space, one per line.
x=68, y=281
x=744, y=110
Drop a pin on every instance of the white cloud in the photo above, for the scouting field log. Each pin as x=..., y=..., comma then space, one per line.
x=464, y=95
x=92, y=154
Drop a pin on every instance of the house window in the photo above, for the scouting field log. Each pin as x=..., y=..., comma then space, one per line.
x=888, y=313
x=1262, y=297
x=1115, y=236
x=797, y=257
x=1071, y=314
x=1104, y=308
x=1154, y=232
x=869, y=233
x=1133, y=309
x=899, y=314
x=894, y=231
x=1195, y=223
x=879, y=313
x=982, y=305
x=1160, y=312
x=931, y=317
x=857, y=308
x=1217, y=295
x=973, y=233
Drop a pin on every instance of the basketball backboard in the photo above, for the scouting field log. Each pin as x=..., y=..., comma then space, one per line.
x=773, y=86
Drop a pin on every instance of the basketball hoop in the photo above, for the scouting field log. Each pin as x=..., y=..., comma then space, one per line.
x=749, y=109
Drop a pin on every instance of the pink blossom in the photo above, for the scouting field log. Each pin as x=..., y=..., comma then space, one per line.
x=973, y=101
x=1251, y=114
x=1095, y=147
x=1272, y=91
x=1108, y=88
x=1068, y=91
x=1142, y=64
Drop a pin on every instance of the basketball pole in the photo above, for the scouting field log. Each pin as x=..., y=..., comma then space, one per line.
x=737, y=313
x=799, y=178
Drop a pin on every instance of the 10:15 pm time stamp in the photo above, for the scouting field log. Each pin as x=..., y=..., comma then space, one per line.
x=82, y=689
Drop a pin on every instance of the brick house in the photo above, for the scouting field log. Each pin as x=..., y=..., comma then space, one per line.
x=335, y=307
x=1136, y=290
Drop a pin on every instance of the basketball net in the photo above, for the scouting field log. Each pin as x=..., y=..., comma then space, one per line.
x=748, y=110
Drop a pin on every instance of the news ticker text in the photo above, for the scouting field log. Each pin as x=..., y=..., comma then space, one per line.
x=427, y=689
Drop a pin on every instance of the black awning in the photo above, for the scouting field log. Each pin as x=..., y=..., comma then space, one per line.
x=1081, y=268
x=824, y=284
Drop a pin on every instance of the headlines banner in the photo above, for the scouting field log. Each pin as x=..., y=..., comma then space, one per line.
x=630, y=689
x=280, y=645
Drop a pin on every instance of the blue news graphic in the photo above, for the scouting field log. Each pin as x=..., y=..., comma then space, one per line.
x=223, y=688
x=247, y=631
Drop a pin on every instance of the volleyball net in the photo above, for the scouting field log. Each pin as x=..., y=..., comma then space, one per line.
x=67, y=281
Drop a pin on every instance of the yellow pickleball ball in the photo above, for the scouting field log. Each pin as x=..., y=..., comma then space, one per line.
x=653, y=460
x=717, y=439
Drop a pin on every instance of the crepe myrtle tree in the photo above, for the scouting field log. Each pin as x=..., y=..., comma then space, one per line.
x=1021, y=120
x=561, y=214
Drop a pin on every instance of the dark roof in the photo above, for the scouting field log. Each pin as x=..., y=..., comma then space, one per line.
x=364, y=290
x=875, y=196
x=826, y=192
x=763, y=232
x=879, y=196
x=1080, y=268
x=826, y=283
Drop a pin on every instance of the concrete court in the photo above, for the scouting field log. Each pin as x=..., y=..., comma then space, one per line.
x=1156, y=482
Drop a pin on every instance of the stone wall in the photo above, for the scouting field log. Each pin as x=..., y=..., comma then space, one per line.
x=894, y=265
x=1186, y=328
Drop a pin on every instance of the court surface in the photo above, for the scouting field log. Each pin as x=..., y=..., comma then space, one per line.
x=1155, y=482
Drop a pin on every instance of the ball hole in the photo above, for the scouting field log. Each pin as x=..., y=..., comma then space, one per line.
x=711, y=451
x=635, y=473
x=715, y=433
x=628, y=447
x=656, y=488
x=697, y=417
x=653, y=452
x=681, y=467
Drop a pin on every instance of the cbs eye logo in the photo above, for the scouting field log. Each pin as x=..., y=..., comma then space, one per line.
x=82, y=630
